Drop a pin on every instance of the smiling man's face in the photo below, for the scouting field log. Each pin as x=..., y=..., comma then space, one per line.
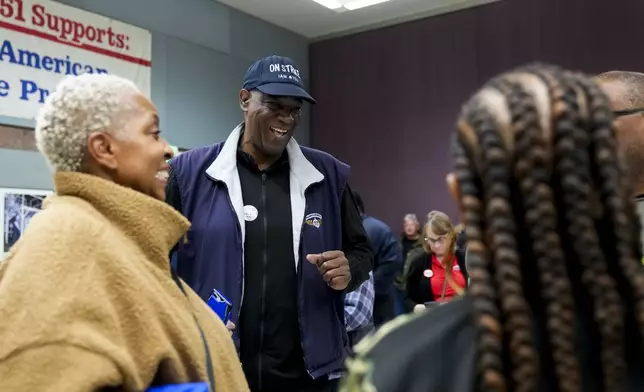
x=270, y=122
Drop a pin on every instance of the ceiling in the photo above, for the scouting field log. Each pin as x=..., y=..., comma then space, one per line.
x=314, y=21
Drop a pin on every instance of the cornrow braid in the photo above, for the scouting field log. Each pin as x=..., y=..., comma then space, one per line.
x=501, y=232
x=482, y=290
x=533, y=171
x=501, y=235
x=614, y=193
x=571, y=144
x=583, y=207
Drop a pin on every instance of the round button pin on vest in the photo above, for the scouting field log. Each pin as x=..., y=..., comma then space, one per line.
x=250, y=213
x=428, y=273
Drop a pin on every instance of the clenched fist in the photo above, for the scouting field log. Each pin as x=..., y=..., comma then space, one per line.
x=334, y=268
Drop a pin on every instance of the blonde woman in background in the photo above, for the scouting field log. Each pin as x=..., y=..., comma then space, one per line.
x=87, y=298
x=438, y=274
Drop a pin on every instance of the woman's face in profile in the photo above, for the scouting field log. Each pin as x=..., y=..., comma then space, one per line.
x=142, y=153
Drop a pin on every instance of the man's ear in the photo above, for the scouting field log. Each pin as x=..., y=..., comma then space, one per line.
x=455, y=192
x=102, y=149
x=244, y=100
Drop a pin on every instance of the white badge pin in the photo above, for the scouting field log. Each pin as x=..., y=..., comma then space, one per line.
x=428, y=273
x=250, y=213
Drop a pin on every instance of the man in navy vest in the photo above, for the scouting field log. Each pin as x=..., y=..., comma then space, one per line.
x=276, y=230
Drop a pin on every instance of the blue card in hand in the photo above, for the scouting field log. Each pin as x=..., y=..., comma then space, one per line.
x=220, y=305
x=192, y=387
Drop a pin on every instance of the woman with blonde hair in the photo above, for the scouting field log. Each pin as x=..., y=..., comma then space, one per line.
x=437, y=274
x=87, y=297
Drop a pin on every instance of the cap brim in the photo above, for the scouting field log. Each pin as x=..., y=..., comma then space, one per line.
x=286, y=90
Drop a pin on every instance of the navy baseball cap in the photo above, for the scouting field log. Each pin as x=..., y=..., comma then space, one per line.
x=276, y=75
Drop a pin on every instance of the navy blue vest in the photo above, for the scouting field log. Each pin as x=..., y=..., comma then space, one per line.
x=211, y=256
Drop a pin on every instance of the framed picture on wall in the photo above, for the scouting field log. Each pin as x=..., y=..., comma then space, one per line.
x=18, y=207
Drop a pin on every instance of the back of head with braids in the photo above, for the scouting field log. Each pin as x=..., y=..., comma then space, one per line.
x=553, y=252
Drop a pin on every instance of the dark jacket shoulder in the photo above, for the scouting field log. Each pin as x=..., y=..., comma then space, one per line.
x=431, y=351
x=417, y=264
x=377, y=224
x=378, y=229
x=413, y=256
x=199, y=158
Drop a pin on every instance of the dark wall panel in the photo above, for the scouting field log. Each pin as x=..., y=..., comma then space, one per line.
x=388, y=99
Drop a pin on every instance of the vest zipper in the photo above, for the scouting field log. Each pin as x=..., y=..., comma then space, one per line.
x=299, y=322
x=265, y=267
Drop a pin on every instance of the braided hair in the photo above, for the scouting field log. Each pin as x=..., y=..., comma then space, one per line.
x=553, y=248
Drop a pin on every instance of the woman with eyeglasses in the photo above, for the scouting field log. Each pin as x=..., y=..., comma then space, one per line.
x=437, y=274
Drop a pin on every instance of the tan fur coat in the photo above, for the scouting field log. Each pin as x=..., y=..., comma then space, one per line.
x=87, y=300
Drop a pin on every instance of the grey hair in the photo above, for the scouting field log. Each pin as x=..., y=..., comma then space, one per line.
x=411, y=217
x=79, y=106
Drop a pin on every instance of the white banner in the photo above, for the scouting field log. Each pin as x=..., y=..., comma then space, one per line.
x=42, y=41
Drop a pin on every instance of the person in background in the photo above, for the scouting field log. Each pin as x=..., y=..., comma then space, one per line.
x=412, y=234
x=358, y=311
x=557, y=290
x=411, y=243
x=276, y=231
x=387, y=263
x=625, y=90
x=87, y=298
x=438, y=274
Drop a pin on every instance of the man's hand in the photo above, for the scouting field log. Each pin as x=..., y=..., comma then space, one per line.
x=334, y=268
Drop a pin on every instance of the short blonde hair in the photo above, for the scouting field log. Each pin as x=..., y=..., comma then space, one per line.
x=79, y=106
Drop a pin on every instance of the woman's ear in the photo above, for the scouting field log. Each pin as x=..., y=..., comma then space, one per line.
x=455, y=192
x=102, y=150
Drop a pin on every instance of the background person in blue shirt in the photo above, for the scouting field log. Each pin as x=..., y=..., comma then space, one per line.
x=276, y=230
x=387, y=263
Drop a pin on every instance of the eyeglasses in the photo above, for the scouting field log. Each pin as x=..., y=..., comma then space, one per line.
x=627, y=112
x=435, y=241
